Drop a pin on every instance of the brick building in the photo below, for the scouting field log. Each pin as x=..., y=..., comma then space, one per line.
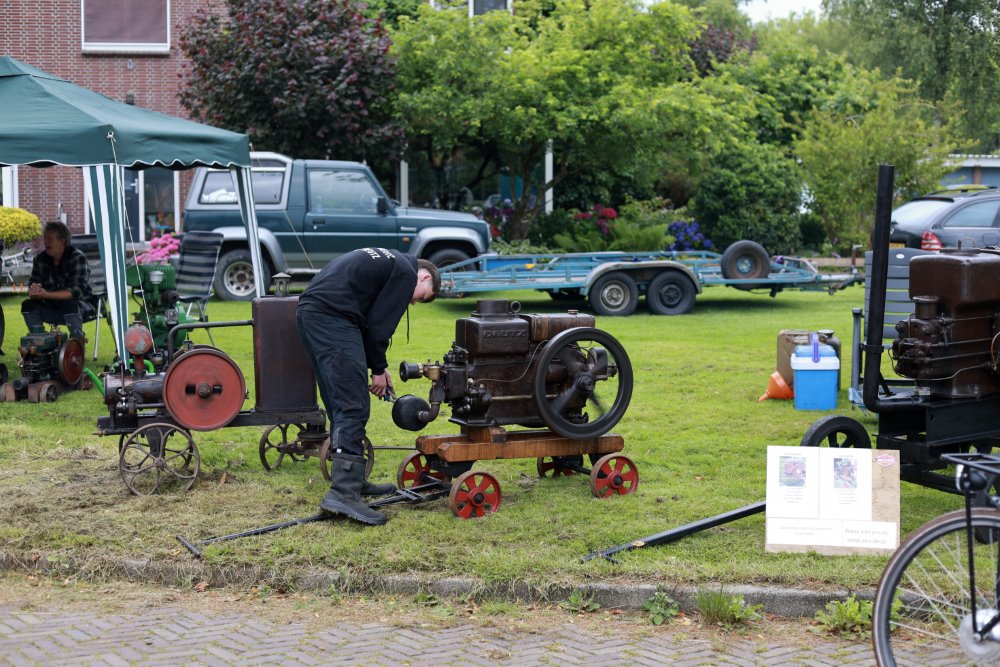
x=124, y=49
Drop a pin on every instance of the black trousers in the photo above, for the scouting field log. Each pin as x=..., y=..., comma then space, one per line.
x=338, y=356
x=72, y=313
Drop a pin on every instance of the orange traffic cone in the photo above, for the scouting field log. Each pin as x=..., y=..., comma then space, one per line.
x=776, y=388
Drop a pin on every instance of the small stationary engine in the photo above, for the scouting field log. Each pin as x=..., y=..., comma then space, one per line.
x=51, y=362
x=158, y=285
x=505, y=367
x=951, y=344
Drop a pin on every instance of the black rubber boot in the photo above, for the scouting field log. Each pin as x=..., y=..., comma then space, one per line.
x=344, y=496
x=369, y=489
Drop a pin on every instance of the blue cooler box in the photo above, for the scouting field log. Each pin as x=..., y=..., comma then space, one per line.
x=815, y=369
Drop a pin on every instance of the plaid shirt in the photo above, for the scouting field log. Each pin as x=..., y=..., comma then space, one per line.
x=72, y=273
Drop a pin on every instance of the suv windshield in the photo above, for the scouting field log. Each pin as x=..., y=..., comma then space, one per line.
x=919, y=211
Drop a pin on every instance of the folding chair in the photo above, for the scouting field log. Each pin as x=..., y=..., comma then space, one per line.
x=898, y=306
x=199, y=256
x=87, y=244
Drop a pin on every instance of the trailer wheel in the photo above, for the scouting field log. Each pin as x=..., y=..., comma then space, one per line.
x=670, y=293
x=837, y=431
x=745, y=260
x=614, y=294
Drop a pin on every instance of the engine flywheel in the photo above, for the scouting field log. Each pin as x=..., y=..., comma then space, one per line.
x=204, y=389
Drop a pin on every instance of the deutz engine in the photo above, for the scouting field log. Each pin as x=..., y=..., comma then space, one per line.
x=51, y=362
x=951, y=344
x=505, y=367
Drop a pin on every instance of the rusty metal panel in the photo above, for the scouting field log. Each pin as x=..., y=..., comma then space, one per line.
x=493, y=329
x=545, y=326
x=283, y=372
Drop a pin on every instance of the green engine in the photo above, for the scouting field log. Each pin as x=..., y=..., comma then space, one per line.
x=154, y=286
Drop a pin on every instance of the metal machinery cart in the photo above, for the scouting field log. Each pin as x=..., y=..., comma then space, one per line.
x=949, y=349
x=156, y=404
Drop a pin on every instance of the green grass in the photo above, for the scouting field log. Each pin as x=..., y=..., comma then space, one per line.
x=694, y=429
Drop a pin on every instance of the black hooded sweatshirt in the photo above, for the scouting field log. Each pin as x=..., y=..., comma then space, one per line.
x=371, y=287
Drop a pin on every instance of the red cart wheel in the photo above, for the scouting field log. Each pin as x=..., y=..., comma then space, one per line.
x=614, y=474
x=275, y=446
x=474, y=494
x=411, y=470
x=547, y=466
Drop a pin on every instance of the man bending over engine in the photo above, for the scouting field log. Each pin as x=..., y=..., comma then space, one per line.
x=346, y=317
x=59, y=285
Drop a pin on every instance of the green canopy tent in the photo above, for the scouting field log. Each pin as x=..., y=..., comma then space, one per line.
x=49, y=121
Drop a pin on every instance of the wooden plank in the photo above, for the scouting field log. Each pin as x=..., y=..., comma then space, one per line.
x=528, y=448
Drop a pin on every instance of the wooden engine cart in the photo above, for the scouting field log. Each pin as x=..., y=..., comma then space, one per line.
x=507, y=368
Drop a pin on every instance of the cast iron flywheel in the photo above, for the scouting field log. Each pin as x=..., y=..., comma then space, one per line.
x=204, y=389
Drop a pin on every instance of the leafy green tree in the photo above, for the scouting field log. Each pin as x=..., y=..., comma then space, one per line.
x=840, y=152
x=310, y=78
x=607, y=82
x=751, y=191
x=949, y=47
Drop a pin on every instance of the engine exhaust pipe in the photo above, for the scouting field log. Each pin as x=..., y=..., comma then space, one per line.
x=878, y=281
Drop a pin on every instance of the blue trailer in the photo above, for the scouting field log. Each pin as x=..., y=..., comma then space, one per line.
x=613, y=281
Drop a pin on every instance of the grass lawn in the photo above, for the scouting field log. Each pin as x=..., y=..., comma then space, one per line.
x=694, y=429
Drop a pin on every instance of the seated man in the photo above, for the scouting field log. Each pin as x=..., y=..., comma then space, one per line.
x=59, y=286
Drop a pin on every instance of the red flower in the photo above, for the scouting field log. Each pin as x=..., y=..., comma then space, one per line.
x=610, y=213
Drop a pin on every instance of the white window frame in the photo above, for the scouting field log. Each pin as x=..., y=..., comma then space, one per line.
x=122, y=47
x=88, y=222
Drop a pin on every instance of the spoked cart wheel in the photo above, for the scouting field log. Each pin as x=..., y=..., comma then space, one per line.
x=326, y=462
x=157, y=458
x=837, y=431
x=923, y=603
x=412, y=470
x=614, y=474
x=582, y=383
x=276, y=445
x=549, y=466
x=474, y=494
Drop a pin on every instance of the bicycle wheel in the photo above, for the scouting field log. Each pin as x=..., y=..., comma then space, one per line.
x=927, y=580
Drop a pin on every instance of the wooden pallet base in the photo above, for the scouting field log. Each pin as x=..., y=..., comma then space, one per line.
x=483, y=444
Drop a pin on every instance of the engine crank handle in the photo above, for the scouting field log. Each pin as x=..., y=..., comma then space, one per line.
x=322, y=516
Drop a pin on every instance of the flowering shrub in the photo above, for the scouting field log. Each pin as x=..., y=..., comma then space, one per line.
x=687, y=236
x=591, y=231
x=499, y=216
x=160, y=250
x=17, y=225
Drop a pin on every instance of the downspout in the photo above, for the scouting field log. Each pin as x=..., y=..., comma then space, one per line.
x=876, y=301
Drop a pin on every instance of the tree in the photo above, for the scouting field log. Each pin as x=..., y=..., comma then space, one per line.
x=752, y=191
x=841, y=151
x=607, y=82
x=949, y=47
x=310, y=78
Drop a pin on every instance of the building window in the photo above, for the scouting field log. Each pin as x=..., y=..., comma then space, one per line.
x=125, y=26
x=477, y=7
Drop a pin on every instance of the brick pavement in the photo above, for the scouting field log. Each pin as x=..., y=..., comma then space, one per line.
x=176, y=635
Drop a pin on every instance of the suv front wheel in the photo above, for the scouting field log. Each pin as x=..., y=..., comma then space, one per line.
x=234, y=277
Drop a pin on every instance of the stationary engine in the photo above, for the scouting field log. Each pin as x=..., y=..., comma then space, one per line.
x=532, y=370
x=51, y=362
x=951, y=344
x=159, y=312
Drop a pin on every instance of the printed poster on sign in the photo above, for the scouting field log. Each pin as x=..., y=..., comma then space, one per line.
x=832, y=500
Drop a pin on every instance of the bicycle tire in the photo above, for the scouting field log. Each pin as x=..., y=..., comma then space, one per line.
x=929, y=573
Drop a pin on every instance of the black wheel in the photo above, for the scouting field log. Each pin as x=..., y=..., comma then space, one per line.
x=923, y=603
x=159, y=457
x=234, y=280
x=614, y=294
x=447, y=257
x=582, y=383
x=745, y=260
x=671, y=293
x=837, y=431
x=276, y=444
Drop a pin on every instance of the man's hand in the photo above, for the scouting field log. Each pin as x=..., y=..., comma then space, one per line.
x=36, y=291
x=381, y=384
